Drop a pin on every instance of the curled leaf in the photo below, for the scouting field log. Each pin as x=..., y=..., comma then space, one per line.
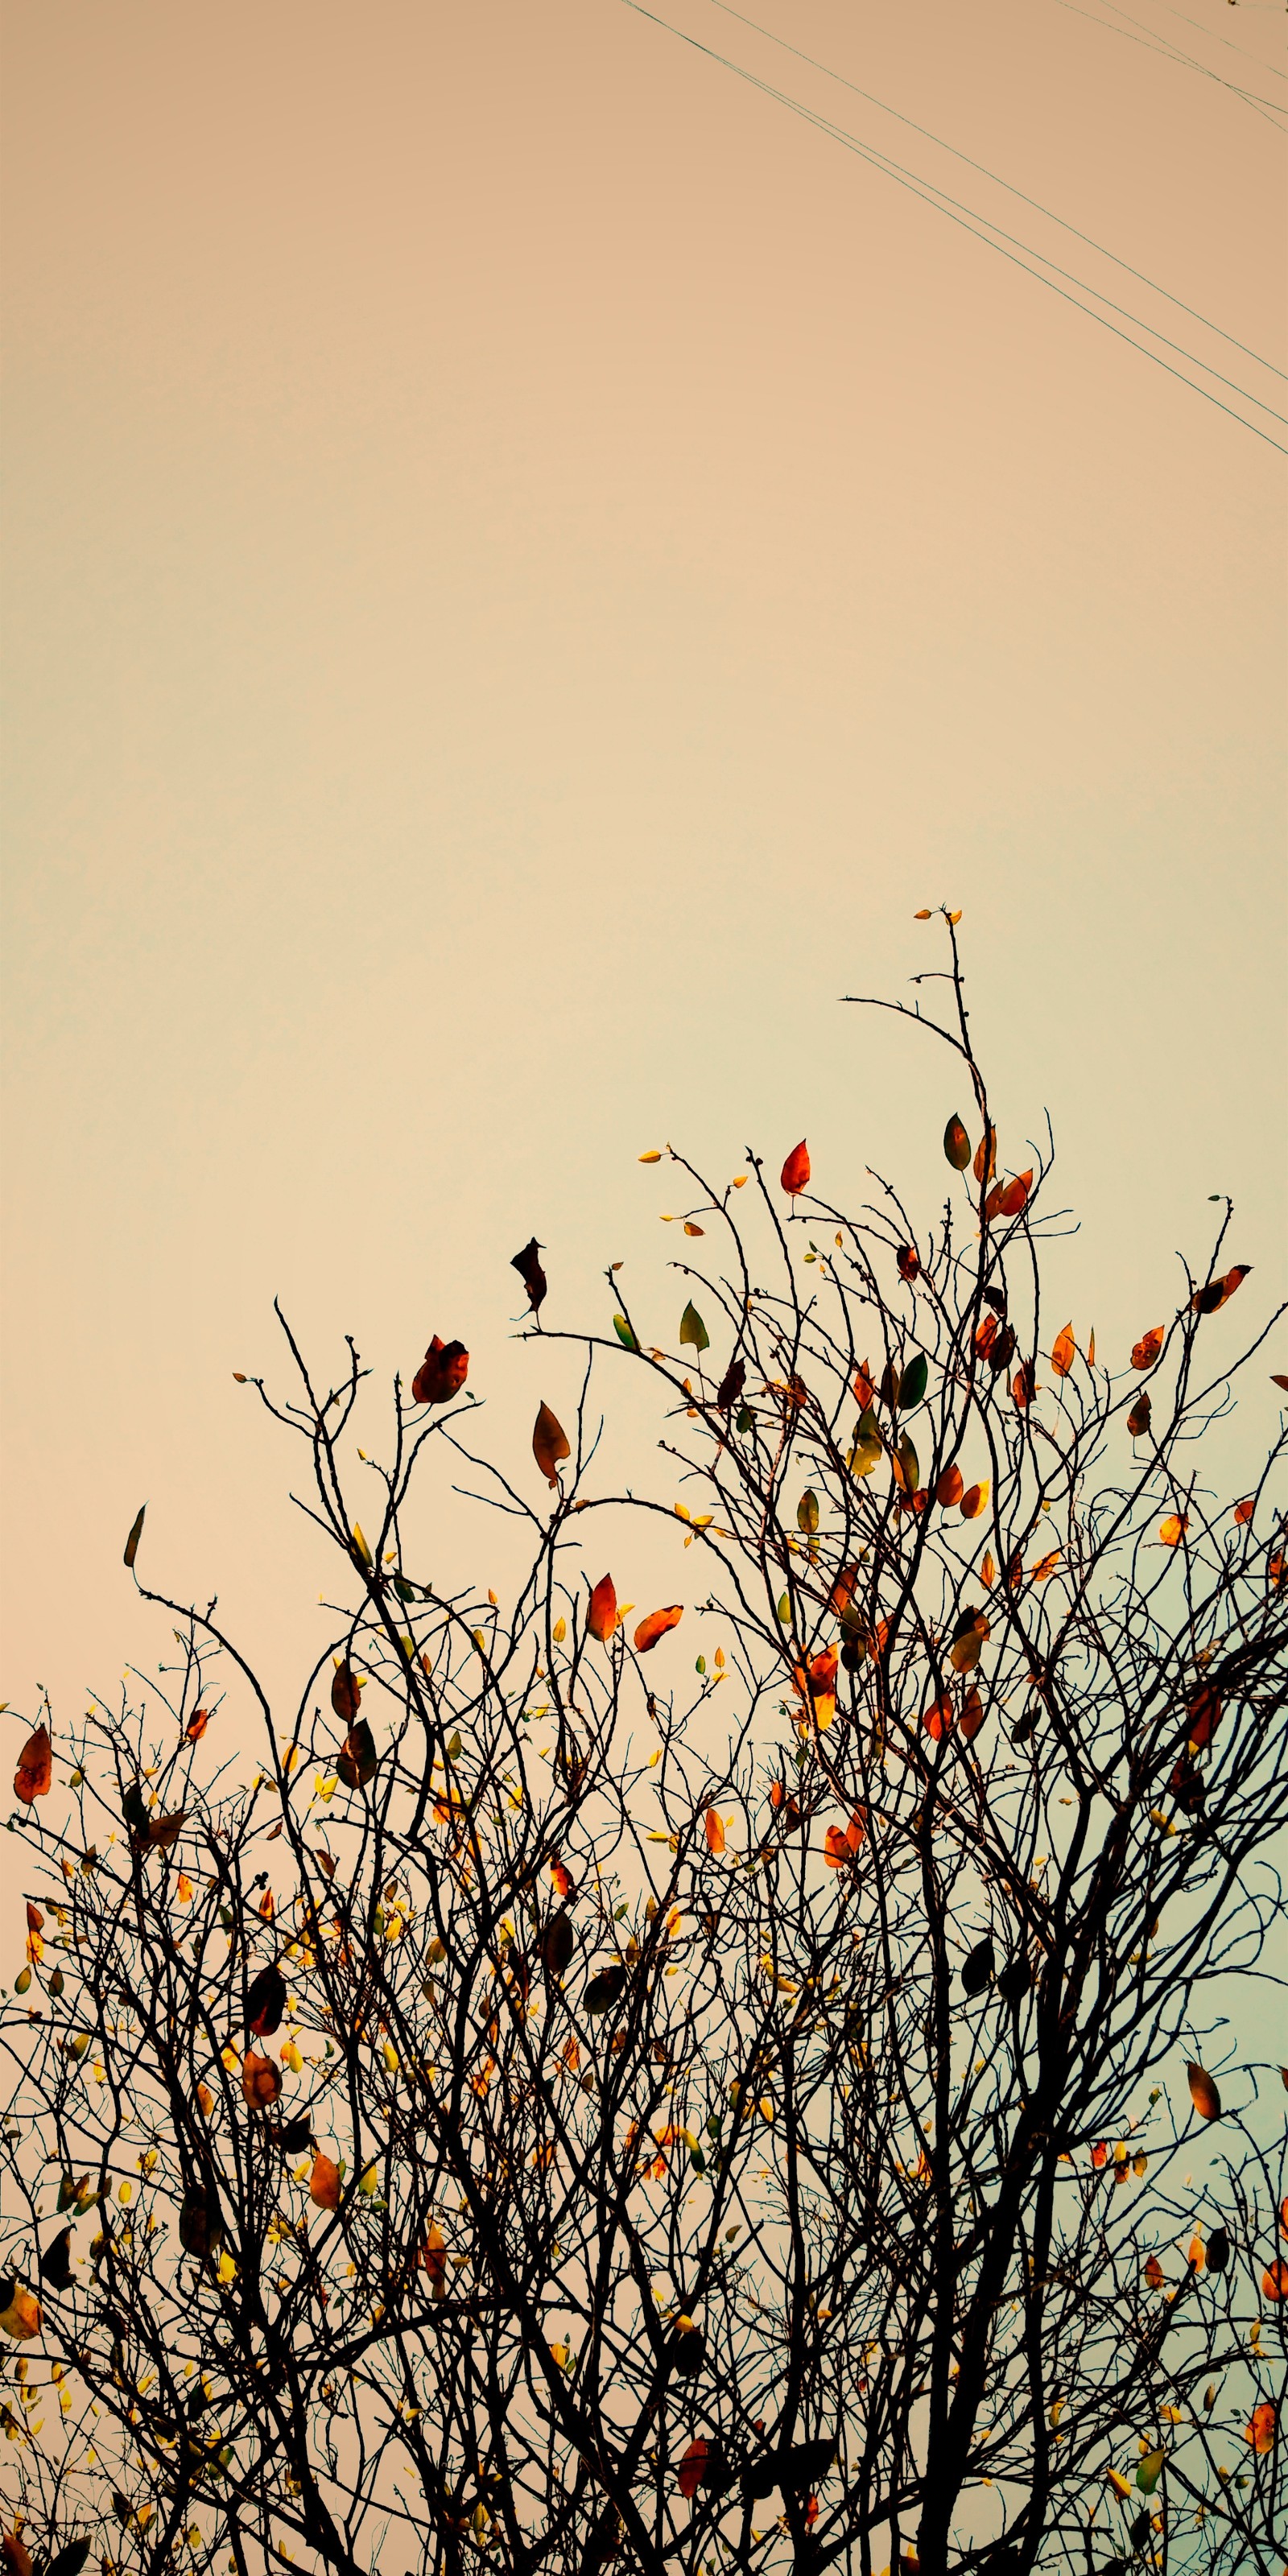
x=442, y=1372
x=528, y=1265
x=549, y=1444
x=656, y=1625
x=19, y=2311
x=1217, y=1292
x=35, y=1767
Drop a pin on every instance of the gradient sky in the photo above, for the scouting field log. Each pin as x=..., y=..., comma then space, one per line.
x=527, y=562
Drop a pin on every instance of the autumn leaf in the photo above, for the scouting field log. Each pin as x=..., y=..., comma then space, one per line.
x=949, y=1489
x=35, y=1767
x=19, y=2311
x=261, y=2081
x=842, y=1843
x=972, y=1717
x=197, y=1724
x=656, y=1625
x=324, y=2182
x=1218, y=1292
x=549, y=1444
x=715, y=1832
x=433, y=2256
x=1173, y=1529
x=807, y=1512
x=1203, y=2093
x=442, y=1372
x=1274, y=2282
x=164, y=1831
x=692, y=1329
x=1243, y=1512
x=795, y=1173
x=1154, y=2273
x=729, y=1391
x=1277, y=1380
x=842, y=1592
x=136, y=1533
x=1138, y=1418
x=938, y=1720
x=974, y=1500
x=558, y=1942
x=1064, y=1352
x=906, y=1466
x=969, y=1637
x=356, y=1763
x=1024, y=1386
x=345, y=1697
x=1146, y=1350
x=601, y=1617
x=530, y=1271
x=1150, y=2471
x=864, y=1387
x=988, y=1571
x=604, y=1990
x=956, y=1144
x=907, y=1263
x=986, y=1156
x=15, y=2557
x=562, y=1878
x=1263, y=2429
x=693, y=2467
x=265, y=2001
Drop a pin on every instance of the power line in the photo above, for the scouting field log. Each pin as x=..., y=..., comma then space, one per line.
x=992, y=175
x=970, y=222
x=1172, y=53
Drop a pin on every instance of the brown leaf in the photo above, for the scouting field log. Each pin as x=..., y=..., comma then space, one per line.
x=324, y=2183
x=1146, y=1350
x=261, y=2081
x=956, y=1144
x=950, y=1488
x=358, y=1760
x=1138, y=1418
x=531, y=1273
x=442, y=1372
x=136, y=1533
x=907, y=1264
x=35, y=1767
x=1203, y=2093
x=164, y=1831
x=197, y=1724
x=549, y=1444
x=345, y=1696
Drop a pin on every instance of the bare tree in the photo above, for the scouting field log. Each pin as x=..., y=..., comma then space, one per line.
x=532, y=2125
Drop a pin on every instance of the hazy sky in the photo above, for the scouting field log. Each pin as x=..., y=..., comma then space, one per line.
x=527, y=562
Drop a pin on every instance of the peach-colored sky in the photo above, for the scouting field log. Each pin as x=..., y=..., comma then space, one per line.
x=526, y=563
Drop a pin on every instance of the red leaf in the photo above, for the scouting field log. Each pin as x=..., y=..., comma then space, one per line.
x=938, y=1720
x=1262, y=2430
x=1014, y=1194
x=442, y=1372
x=197, y=1724
x=35, y=1767
x=601, y=1618
x=972, y=1714
x=907, y=1264
x=1243, y=1511
x=949, y=1489
x=656, y=1625
x=1204, y=1717
x=1146, y=1350
x=795, y=1174
x=985, y=1163
x=693, y=2467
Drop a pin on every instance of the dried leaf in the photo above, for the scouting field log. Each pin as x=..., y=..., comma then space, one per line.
x=795, y=1173
x=656, y=1625
x=601, y=1617
x=197, y=1724
x=907, y=1263
x=693, y=2468
x=604, y=1990
x=530, y=1271
x=807, y=1512
x=136, y=1533
x=956, y=1144
x=1243, y=1511
x=35, y=1767
x=972, y=1717
x=1218, y=1292
x=1274, y=2282
x=1154, y=2273
x=442, y=1372
x=549, y=1444
x=1138, y=1418
x=265, y=2001
x=261, y=2081
x=1146, y=1350
x=345, y=1696
x=729, y=1391
x=357, y=1761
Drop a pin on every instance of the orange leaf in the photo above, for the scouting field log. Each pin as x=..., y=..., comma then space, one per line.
x=949, y=1489
x=433, y=2255
x=865, y=1386
x=1274, y=2281
x=1024, y=1385
x=549, y=1444
x=972, y=1714
x=35, y=1767
x=1064, y=1352
x=1138, y=1418
x=795, y=1175
x=1015, y=1194
x=1173, y=1529
x=973, y=1501
x=1154, y=2273
x=956, y=1144
x=1243, y=1512
x=261, y=2081
x=601, y=1618
x=15, y=2557
x=1218, y=1292
x=1045, y=1567
x=197, y=1724
x=985, y=1163
x=938, y=1719
x=842, y=1592
x=324, y=2183
x=1100, y=2154
x=562, y=1878
x=1262, y=2430
x=1283, y=2217
x=715, y=1832
x=988, y=1571
x=656, y=1625
x=907, y=1264
x=1146, y=1350
x=1203, y=2093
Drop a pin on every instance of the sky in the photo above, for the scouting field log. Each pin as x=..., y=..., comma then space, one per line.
x=528, y=561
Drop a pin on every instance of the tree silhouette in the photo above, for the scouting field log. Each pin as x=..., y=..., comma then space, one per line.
x=539, y=2123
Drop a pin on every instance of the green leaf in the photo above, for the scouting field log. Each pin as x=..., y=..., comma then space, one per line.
x=1150, y=2471
x=692, y=1328
x=909, y=1465
x=746, y=1419
x=956, y=1143
x=625, y=1335
x=912, y=1385
x=807, y=1512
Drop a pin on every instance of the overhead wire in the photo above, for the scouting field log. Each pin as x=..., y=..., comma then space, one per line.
x=728, y=11
x=1171, y=53
x=984, y=230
